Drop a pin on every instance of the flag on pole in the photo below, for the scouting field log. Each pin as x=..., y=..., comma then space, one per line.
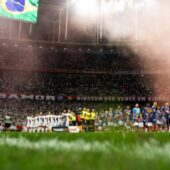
x=25, y=10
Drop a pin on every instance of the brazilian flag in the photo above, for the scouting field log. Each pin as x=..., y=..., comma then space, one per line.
x=25, y=10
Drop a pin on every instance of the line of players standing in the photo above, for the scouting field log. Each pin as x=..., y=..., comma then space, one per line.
x=84, y=117
x=152, y=117
x=148, y=118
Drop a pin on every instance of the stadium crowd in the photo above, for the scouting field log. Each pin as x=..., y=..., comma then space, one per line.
x=75, y=84
x=83, y=84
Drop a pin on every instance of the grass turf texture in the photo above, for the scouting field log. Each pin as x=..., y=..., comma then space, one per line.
x=85, y=151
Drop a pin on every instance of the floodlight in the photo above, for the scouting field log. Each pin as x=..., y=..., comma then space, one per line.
x=86, y=7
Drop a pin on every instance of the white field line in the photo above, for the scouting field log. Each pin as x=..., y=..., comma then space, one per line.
x=148, y=150
x=151, y=150
x=57, y=145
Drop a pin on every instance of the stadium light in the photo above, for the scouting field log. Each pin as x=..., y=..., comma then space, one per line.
x=86, y=7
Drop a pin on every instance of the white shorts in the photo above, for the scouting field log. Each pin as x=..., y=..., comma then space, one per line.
x=136, y=124
x=99, y=128
x=96, y=124
x=120, y=122
x=158, y=122
x=149, y=124
x=141, y=124
x=127, y=126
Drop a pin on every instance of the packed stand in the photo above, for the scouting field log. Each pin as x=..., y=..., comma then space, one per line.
x=75, y=84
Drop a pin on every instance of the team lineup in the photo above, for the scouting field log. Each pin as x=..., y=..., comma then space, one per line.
x=148, y=118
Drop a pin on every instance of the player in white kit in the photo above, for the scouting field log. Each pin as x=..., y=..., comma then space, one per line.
x=29, y=120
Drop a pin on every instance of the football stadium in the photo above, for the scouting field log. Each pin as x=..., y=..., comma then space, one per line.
x=84, y=84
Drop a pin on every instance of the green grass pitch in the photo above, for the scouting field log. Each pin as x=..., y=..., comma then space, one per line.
x=85, y=151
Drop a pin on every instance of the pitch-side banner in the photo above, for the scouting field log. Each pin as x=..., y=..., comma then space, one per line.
x=25, y=10
x=84, y=98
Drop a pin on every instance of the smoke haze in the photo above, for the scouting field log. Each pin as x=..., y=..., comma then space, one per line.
x=146, y=30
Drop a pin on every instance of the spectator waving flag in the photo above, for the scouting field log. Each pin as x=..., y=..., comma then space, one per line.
x=25, y=10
